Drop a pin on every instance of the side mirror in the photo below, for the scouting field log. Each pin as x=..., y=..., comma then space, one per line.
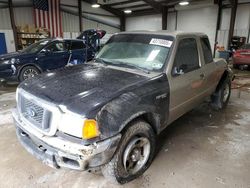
x=180, y=70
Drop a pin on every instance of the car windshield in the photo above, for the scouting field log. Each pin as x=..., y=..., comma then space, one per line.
x=36, y=47
x=148, y=52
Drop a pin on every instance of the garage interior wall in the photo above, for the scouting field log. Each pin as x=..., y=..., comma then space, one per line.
x=5, y=27
x=70, y=22
x=202, y=19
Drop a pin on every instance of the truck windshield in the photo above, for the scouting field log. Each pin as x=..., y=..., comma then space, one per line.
x=36, y=47
x=137, y=51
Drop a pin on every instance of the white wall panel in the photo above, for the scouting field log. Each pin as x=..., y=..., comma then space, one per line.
x=70, y=23
x=5, y=19
x=242, y=21
x=199, y=20
x=24, y=15
x=151, y=22
x=171, y=21
x=225, y=19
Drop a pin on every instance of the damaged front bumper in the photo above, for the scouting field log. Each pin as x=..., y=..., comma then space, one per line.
x=58, y=152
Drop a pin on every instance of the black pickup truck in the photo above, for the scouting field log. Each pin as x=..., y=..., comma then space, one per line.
x=107, y=113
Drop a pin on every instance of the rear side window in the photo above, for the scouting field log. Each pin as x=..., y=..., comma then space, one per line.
x=207, y=52
x=56, y=47
x=186, y=58
x=77, y=45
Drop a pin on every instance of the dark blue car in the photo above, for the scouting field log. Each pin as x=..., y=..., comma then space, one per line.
x=44, y=55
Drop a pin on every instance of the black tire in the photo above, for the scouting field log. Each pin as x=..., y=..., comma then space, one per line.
x=221, y=97
x=115, y=170
x=28, y=72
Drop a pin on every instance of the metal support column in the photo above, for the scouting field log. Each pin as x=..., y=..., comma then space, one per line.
x=164, y=17
x=123, y=23
x=13, y=24
x=80, y=15
x=218, y=24
x=234, y=4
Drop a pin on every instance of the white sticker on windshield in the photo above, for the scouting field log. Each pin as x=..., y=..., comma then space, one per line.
x=161, y=42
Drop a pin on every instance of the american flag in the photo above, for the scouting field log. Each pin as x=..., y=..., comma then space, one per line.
x=47, y=15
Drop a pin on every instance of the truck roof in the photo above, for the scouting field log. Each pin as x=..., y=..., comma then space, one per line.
x=164, y=32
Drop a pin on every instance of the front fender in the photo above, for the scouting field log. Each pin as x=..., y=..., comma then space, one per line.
x=119, y=112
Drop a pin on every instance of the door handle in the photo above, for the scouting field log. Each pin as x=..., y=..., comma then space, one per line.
x=202, y=76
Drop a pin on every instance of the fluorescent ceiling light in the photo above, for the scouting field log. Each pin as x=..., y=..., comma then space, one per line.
x=95, y=5
x=128, y=11
x=183, y=3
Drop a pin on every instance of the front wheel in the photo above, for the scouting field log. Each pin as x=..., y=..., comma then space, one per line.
x=221, y=97
x=28, y=72
x=133, y=156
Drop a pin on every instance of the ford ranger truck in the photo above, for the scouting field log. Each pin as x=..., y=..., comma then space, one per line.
x=106, y=114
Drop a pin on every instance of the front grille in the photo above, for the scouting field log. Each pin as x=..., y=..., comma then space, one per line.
x=34, y=113
x=29, y=107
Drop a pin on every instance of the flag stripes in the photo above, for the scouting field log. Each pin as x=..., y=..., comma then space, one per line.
x=47, y=14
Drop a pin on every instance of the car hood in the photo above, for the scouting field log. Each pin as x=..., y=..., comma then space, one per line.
x=14, y=55
x=83, y=88
x=8, y=56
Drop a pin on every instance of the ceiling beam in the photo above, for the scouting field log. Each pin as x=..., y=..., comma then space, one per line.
x=122, y=3
x=116, y=12
x=134, y=6
x=155, y=5
x=4, y=2
x=142, y=12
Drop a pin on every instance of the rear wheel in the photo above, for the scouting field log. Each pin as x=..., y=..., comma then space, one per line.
x=221, y=97
x=28, y=72
x=134, y=155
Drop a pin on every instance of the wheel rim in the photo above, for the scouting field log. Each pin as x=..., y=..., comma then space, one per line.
x=136, y=155
x=29, y=73
x=226, y=93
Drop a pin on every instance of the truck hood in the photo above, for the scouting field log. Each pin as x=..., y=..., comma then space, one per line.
x=83, y=88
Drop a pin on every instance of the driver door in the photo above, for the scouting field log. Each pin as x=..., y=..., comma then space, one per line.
x=187, y=81
x=53, y=56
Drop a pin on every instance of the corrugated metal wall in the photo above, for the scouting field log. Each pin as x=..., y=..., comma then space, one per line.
x=5, y=19
x=24, y=15
x=71, y=25
x=70, y=22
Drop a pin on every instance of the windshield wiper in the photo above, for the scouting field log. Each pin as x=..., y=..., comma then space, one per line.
x=120, y=63
x=100, y=60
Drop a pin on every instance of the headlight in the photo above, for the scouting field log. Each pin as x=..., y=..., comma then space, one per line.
x=6, y=62
x=78, y=126
x=17, y=91
x=13, y=60
x=90, y=129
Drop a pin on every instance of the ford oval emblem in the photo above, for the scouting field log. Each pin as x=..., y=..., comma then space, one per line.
x=31, y=112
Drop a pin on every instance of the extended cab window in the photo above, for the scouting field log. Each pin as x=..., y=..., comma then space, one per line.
x=77, y=45
x=186, y=58
x=207, y=52
x=56, y=47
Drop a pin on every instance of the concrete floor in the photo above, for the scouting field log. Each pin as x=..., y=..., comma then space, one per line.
x=204, y=148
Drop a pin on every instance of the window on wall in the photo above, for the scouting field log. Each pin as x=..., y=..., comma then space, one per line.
x=207, y=52
x=186, y=58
